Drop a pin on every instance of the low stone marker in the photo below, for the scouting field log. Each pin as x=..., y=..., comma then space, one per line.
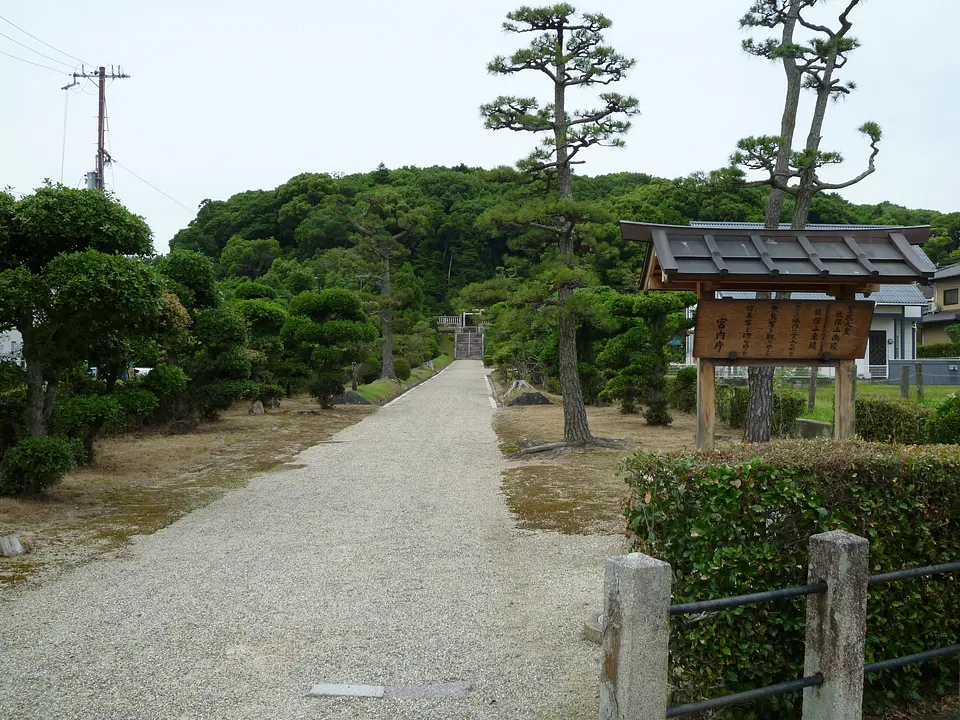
x=256, y=408
x=10, y=546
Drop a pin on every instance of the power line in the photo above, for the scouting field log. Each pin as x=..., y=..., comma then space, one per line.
x=44, y=43
x=34, y=51
x=116, y=162
x=31, y=62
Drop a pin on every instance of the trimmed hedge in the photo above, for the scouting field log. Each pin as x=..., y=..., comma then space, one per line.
x=682, y=390
x=731, y=523
x=943, y=425
x=939, y=350
x=732, y=401
x=880, y=419
x=35, y=464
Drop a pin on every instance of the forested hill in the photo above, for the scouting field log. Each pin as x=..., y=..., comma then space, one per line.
x=455, y=239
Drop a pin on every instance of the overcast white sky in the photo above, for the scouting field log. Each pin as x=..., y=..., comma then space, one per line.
x=231, y=95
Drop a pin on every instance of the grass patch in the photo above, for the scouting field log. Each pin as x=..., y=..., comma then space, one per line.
x=446, y=341
x=932, y=395
x=383, y=391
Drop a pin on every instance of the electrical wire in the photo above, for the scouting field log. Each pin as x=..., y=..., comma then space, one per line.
x=74, y=57
x=34, y=51
x=146, y=182
x=31, y=62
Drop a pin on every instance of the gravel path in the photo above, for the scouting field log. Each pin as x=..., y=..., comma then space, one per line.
x=389, y=559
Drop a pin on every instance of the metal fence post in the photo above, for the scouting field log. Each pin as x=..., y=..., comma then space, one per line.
x=836, y=625
x=636, y=636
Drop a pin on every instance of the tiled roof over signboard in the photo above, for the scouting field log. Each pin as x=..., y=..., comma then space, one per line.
x=747, y=257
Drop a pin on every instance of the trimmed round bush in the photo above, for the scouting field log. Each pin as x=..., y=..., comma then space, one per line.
x=943, y=425
x=253, y=291
x=165, y=381
x=35, y=464
x=683, y=391
x=402, y=368
x=136, y=405
x=370, y=372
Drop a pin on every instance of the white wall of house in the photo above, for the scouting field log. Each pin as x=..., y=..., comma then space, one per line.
x=11, y=346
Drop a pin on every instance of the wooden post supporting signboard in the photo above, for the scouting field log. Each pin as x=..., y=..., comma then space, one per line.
x=706, y=408
x=844, y=400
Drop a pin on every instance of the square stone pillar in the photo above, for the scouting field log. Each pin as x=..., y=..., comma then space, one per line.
x=836, y=626
x=636, y=637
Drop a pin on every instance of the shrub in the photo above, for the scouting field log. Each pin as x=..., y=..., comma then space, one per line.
x=35, y=464
x=165, y=381
x=136, y=406
x=168, y=383
x=682, y=390
x=880, y=419
x=939, y=350
x=13, y=403
x=370, y=372
x=943, y=425
x=271, y=395
x=220, y=394
x=402, y=368
x=84, y=416
x=732, y=401
x=731, y=523
x=253, y=291
x=12, y=376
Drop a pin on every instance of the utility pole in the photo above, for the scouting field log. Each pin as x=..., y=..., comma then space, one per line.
x=101, y=75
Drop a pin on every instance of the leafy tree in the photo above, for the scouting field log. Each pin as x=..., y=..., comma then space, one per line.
x=639, y=354
x=380, y=220
x=63, y=288
x=814, y=66
x=191, y=277
x=290, y=277
x=324, y=335
x=249, y=258
x=220, y=368
x=572, y=54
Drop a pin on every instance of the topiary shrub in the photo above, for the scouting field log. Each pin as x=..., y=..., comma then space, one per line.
x=168, y=383
x=35, y=464
x=136, y=406
x=943, y=424
x=682, y=390
x=84, y=416
x=271, y=395
x=221, y=394
x=370, y=372
x=730, y=522
x=880, y=419
x=402, y=368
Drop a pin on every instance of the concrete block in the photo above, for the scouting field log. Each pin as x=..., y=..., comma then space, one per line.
x=636, y=628
x=836, y=626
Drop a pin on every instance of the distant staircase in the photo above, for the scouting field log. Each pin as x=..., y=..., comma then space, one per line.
x=468, y=344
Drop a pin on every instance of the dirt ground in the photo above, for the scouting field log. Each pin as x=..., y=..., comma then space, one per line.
x=143, y=482
x=579, y=491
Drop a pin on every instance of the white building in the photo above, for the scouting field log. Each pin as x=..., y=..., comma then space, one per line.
x=11, y=347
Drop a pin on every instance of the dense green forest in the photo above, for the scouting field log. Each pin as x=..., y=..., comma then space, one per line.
x=456, y=243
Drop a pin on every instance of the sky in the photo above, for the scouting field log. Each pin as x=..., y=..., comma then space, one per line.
x=232, y=95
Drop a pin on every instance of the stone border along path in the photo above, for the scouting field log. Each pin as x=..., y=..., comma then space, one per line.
x=388, y=560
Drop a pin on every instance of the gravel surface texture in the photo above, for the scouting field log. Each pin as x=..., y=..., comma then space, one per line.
x=389, y=559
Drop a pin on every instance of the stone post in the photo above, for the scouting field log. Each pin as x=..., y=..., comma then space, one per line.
x=836, y=624
x=636, y=630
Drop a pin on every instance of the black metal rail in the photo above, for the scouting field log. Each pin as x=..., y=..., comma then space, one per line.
x=744, y=697
x=913, y=573
x=751, y=599
x=911, y=659
x=814, y=680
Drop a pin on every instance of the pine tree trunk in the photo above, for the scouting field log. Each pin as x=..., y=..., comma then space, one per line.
x=576, y=431
x=759, y=421
x=386, y=316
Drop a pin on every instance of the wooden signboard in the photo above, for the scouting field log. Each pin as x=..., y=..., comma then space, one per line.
x=782, y=329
